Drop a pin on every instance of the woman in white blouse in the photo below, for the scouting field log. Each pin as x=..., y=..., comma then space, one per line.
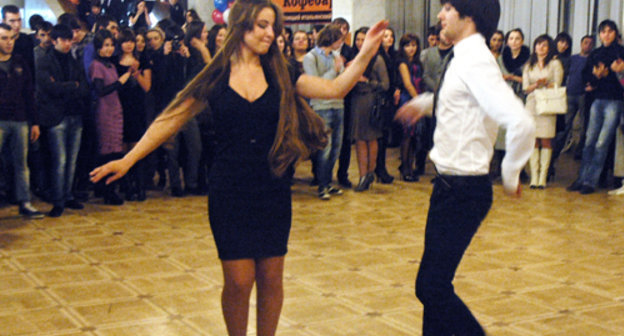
x=541, y=71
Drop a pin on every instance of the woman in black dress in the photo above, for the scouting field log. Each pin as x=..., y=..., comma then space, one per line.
x=132, y=96
x=263, y=127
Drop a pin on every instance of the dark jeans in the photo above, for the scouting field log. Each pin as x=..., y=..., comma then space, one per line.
x=344, y=159
x=64, y=143
x=16, y=134
x=575, y=104
x=458, y=205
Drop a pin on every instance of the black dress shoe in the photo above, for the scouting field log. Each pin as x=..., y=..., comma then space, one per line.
x=56, y=211
x=177, y=192
x=112, y=198
x=576, y=186
x=345, y=183
x=141, y=195
x=585, y=190
x=73, y=204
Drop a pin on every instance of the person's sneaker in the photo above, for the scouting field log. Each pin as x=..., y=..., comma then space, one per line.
x=324, y=194
x=616, y=192
x=73, y=204
x=29, y=211
x=56, y=211
x=335, y=191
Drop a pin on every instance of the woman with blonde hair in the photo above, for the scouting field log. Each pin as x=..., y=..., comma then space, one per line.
x=263, y=127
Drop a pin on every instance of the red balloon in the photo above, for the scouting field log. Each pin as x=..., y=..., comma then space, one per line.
x=217, y=17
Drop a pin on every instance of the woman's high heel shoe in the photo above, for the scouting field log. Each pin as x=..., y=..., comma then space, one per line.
x=365, y=182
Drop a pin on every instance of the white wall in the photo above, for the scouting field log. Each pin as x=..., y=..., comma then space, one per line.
x=204, y=8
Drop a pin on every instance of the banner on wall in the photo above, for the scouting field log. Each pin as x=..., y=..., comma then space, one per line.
x=306, y=11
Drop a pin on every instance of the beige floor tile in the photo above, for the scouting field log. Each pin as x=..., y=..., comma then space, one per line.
x=189, y=303
x=548, y=264
x=119, y=312
x=168, y=283
x=92, y=292
x=14, y=302
x=141, y=267
x=69, y=274
x=47, y=261
x=174, y=328
x=15, y=282
x=41, y=320
x=369, y=326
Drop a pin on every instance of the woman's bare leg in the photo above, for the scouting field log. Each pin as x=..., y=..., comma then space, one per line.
x=270, y=294
x=239, y=276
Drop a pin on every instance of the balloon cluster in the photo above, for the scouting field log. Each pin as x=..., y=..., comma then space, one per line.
x=222, y=10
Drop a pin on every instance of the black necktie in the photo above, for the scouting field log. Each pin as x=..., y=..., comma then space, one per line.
x=447, y=61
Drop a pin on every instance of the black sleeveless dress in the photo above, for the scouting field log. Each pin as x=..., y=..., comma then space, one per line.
x=248, y=207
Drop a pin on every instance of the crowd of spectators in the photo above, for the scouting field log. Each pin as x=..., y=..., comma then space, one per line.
x=82, y=91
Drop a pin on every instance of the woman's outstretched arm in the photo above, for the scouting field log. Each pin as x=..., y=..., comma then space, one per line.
x=165, y=126
x=316, y=87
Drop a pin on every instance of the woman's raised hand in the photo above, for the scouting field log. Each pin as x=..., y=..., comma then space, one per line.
x=374, y=37
x=114, y=170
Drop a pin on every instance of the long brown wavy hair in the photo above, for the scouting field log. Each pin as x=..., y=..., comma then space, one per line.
x=300, y=130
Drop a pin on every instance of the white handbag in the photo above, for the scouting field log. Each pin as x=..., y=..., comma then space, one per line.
x=551, y=100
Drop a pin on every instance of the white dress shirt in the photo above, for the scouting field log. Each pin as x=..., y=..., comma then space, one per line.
x=473, y=102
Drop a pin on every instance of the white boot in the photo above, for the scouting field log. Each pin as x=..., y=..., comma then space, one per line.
x=545, y=156
x=534, y=166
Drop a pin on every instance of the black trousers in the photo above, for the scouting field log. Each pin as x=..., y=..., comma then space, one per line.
x=458, y=205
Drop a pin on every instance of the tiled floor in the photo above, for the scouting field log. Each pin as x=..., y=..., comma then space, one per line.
x=551, y=263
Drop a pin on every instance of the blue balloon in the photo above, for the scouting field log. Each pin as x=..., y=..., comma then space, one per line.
x=221, y=5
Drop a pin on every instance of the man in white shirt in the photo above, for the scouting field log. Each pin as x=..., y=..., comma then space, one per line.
x=473, y=101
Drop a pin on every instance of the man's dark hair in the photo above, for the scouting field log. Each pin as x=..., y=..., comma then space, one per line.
x=102, y=22
x=70, y=20
x=341, y=22
x=45, y=26
x=34, y=21
x=5, y=26
x=484, y=13
x=328, y=35
x=9, y=9
x=96, y=3
x=99, y=38
x=588, y=37
x=61, y=31
x=433, y=30
x=611, y=24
